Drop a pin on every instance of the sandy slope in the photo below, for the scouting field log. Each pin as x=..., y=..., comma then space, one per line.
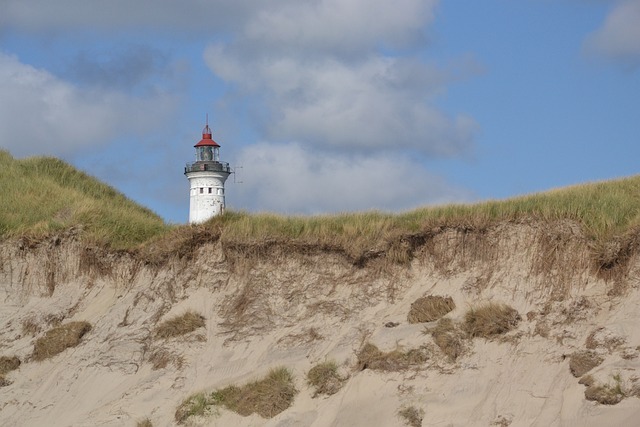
x=295, y=309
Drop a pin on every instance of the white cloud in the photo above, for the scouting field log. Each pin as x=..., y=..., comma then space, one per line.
x=42, y=114
x=339, y=23
x=619, y=36
x=293, y=179
x=317, y=72
x=339, y=26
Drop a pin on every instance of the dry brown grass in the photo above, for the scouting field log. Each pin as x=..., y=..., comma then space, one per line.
x=30, y=326
x=412, y=416
x=449, y=338
x=430, y=308
x=490, y=319
x=603, y=338
x=325, y=378
x=267, y=397
x=180, y=325
x=198, y=404
x=8, y=364
x=160, y=359
x=582, y=362
x=144, y=423
x=371, y=357
x=606, y=394
x=60, y=338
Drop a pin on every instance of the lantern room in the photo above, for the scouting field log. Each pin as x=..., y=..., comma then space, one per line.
x=207, y=150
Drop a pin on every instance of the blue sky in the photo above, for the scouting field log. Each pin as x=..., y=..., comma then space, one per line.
x=326, y=105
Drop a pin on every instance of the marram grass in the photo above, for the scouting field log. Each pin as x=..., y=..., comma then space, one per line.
x=42, y=195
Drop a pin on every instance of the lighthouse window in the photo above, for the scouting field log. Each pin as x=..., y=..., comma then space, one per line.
x=201, y=190
x=210, y=190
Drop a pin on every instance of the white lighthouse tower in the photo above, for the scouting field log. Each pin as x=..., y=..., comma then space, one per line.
x=207, y=176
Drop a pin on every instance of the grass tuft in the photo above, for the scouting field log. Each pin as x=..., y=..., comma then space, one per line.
x=325, y=378
x=582, y=362
x=8, y=364
x=60, y=338
x=266, y=397
x=606, y=394
x=195, y=405
x=449, y=338
x=180, y=325
x=412, y=416
x=490, y=319
x=371, y=357
x=430, y=308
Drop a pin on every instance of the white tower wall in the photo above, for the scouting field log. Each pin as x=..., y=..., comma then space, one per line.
x=206, y=195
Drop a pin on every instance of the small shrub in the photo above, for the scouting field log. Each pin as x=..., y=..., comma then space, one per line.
x=582, y=362
x=430, y=308
x=449, y=338
x=144, y=423
x=370, y=357
x=60, y=338
x=8, y=364
x=4, y=382
x=267, y=397
x=325, y=378
x=490, y=319
x=412, y=416
x=180, y=325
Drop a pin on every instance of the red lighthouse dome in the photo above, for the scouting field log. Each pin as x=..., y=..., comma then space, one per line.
x=206, y=138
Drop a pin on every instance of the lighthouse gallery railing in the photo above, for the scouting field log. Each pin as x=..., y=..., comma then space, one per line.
x=207, y=166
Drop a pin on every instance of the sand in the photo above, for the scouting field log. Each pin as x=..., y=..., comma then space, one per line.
x=296, y=309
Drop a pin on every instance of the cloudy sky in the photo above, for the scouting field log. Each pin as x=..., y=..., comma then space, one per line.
x=326, y=105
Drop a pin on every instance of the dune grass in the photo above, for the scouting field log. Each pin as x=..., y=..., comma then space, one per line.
x=325, y=378
x=266, y=397
x=180, y=325
x=490, y=319
x=43, y=195
x=60, y=338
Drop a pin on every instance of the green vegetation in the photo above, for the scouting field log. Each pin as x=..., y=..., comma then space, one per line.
x=180, y=325
x=60, y=338
x=266, y=397
x=324, y=377
x=44, y=195
x=606, y=394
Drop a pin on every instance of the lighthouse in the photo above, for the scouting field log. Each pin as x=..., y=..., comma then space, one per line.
x=207, y=176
